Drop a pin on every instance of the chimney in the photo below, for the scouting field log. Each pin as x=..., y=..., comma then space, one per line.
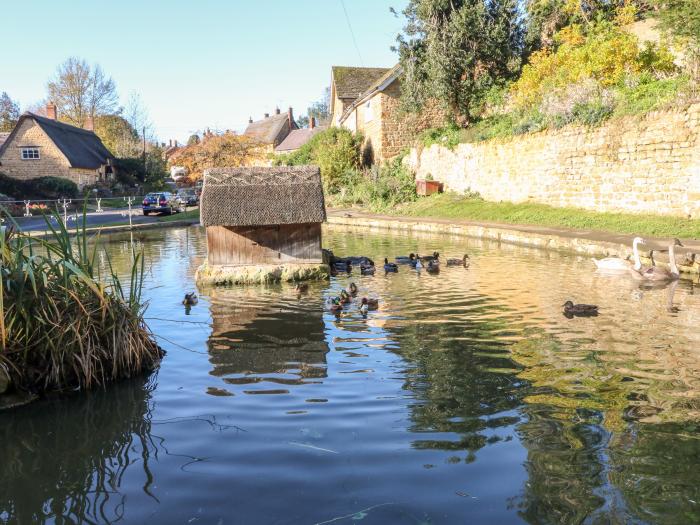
x=277, y=111
x=250, y=120
x=170, y=143
x=267, y=115
x=51, y=111
x=290, y=117
x=312, y=122
x=89, y=124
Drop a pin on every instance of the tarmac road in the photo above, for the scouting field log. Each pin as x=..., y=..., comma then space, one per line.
x=103, y=218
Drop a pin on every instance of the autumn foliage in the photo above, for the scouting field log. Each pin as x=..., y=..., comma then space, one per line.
x=219, y=151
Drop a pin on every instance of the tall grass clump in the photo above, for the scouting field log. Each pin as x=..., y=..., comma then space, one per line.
x=63, y=324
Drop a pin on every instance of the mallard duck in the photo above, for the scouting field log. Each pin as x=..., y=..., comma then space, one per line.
x=333, y=305
x=433, y=266
x=190, y=299
x=618, y=264
x=661, y=274
x=342, y=266
x=367, y=269
x=417, y=264
x=427, y=258
x=344, y=297
x=352, y=289
x=390, y=267
x=582, y=310
x=302, y=287
x=368, y=304
x=464, y=261
x=401, y=259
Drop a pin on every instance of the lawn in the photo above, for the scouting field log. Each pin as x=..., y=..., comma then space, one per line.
x=450, y=206
x=191, y=214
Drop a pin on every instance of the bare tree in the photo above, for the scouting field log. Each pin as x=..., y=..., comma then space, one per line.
x=136, y=114
x=9, y=112
x=80, y=90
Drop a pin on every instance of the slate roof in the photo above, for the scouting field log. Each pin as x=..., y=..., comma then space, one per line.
x=351, y=82
x=82, y=148
x=262, y=196
x=268, y=129
x=297, y=138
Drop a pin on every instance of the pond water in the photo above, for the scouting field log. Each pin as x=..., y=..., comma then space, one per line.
x=466, y=398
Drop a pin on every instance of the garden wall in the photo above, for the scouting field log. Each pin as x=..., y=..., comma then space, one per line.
x=648, y=164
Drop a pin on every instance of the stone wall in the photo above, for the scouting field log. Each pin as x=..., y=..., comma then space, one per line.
x=648, y=164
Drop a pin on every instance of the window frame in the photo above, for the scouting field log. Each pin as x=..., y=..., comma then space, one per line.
x=24, y=150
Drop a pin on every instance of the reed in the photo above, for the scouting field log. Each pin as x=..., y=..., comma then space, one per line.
x=63, y=324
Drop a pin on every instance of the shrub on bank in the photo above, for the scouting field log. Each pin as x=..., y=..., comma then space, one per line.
x=39, y=188
x=64, y=322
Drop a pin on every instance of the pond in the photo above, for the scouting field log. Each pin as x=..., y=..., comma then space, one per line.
x=466, y=398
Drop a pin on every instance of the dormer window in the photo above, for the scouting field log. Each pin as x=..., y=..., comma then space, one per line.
x=31, y=153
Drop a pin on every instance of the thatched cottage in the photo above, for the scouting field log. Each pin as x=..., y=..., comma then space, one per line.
x=263, y=224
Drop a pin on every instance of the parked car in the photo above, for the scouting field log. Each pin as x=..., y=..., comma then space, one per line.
x=162, y=202
x=188, y=196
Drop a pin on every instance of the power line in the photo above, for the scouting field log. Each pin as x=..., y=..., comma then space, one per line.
x=352, y=33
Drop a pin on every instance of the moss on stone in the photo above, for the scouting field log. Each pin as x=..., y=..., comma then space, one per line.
x=260, y=274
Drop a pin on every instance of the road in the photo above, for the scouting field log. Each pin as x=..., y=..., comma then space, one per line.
x=103, y=218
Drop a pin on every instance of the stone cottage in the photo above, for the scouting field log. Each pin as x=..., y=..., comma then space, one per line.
x=43, y=146
x=263, y=224
x=367, y=100
x=298, y=137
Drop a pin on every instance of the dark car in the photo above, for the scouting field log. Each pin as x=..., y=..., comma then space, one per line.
x=162, y=202
x=188, y=196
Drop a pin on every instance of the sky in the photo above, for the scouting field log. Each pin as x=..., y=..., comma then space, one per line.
x=198, y=64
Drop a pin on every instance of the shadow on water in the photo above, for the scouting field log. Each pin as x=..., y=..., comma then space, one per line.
x=64, y=460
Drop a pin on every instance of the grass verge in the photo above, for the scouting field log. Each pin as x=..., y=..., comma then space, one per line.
x=184, y=216
x=450, y=206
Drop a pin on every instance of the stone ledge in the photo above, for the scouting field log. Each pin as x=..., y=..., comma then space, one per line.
x=260, y=274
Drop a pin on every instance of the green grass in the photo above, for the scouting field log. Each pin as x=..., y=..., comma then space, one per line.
x=450, y=206
x=187, y=215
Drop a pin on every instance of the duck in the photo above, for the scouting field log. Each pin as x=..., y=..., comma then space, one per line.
x=464, y=261
x=302, y=287
x=342, y=266
x=368, y=304
x=352, y=289
x=433, y=266
x=417, y=263
x=581, y=310
x=190, y=299
x=390, y=267
x=366, y=269
x=427, y=258
x=402, y=259
x=333, y=305
x=661, y=274
x=344, y=297
x=618, y=264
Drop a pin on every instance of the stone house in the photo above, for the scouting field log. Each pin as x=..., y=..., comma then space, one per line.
x=367, y=100
x=43, y=146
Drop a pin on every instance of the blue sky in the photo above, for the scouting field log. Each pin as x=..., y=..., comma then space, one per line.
x=197, y=63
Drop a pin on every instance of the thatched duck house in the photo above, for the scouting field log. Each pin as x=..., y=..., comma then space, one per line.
x=263, y=224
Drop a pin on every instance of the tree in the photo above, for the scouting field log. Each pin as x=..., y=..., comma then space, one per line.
x=218, y=151
x=80, y=90
x=320, y=110
x=194, y=139
x=118, y=135
x=681, y=18
x=9, y=112
x=456, y=51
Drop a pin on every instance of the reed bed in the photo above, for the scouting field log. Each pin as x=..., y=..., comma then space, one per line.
x=66, y=323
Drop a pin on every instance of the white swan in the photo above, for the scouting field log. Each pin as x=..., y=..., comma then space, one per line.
x=617, y=264
x=662, y=274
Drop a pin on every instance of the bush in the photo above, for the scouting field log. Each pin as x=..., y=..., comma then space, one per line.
x=649, y=94
x=336, y=151
x=39, y=188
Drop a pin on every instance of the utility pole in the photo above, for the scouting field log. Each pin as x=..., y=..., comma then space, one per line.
x=144, y=151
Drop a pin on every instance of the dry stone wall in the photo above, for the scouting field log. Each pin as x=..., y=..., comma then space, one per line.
x=647, y=164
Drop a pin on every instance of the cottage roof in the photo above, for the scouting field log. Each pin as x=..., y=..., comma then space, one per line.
x=260, y=196
x=379, y=84
x=297, y=138
x=81, y=147
x=268, y=129
x=350, y=82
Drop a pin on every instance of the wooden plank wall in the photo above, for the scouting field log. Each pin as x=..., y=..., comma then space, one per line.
x=233, y=245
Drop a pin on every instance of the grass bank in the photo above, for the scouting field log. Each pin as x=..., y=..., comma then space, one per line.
x=450, y=206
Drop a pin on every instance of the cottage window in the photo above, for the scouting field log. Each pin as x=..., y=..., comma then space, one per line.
x=368, y=111
x=30, y=153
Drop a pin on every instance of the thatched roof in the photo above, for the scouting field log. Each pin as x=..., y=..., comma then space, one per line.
x=260, y=196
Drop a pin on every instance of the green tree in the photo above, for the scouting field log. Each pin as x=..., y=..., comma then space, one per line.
x=9, y=112
x=118, y=135
x=681, y=18
x=80, y=90
x=456, y=51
